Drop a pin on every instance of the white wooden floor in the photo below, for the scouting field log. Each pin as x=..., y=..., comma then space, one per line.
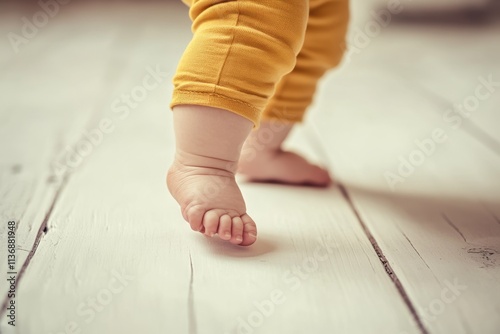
x=102, y=248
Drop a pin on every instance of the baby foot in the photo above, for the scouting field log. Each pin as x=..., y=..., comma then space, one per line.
x=263, y=160
x=201, y=179
x=211, y=202
x=282, y=167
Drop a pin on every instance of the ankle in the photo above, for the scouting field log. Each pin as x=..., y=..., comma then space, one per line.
x=207, y=163
x=209, y=136
x=256, y=153
x=267, y=140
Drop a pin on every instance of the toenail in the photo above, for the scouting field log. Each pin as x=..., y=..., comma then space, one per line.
x=238, y=238
x=227, y=235
x=252, y=234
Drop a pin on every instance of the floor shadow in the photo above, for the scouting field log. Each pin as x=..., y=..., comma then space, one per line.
x=219, y=247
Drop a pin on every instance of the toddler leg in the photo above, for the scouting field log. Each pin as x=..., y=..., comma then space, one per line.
x=262, y=157
x=263, y=160
x=239, y=51
x=201, y=179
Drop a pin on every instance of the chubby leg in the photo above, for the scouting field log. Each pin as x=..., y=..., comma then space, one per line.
x=201, y=179
x=324, y=43
x=323, y=48
x=239, y=51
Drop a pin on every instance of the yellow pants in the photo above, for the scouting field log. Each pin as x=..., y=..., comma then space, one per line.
x=260, y=59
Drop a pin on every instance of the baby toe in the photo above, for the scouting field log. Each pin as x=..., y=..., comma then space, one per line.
x=194, y=217
x=249, y=230
x=211, y=222
x=224, y=230
x=320, y=178
x=237, y=231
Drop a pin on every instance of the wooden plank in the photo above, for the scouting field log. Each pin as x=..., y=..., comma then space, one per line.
x=127, y=248
x=463, y=81
x=442, y=61
x=438, y=227
x=55, y=94
x=331, y=296
x=181, y=282
x=449, y=243
x=312, y=257
x=372, y=139
x=94, y=239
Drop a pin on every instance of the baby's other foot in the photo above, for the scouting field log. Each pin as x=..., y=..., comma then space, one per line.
x=263, y=160
x=283, y=167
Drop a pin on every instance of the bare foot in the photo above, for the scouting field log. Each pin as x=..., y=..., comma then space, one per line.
x=263, y=160
x=283, y=167
x=201, y=179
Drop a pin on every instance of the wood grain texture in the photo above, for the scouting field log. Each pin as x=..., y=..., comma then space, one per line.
x=363, y=257
x=312, y=253
x=38, y=120
x=445, y=251
x=57, y=90
x=438, y=227
x=116, y=218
